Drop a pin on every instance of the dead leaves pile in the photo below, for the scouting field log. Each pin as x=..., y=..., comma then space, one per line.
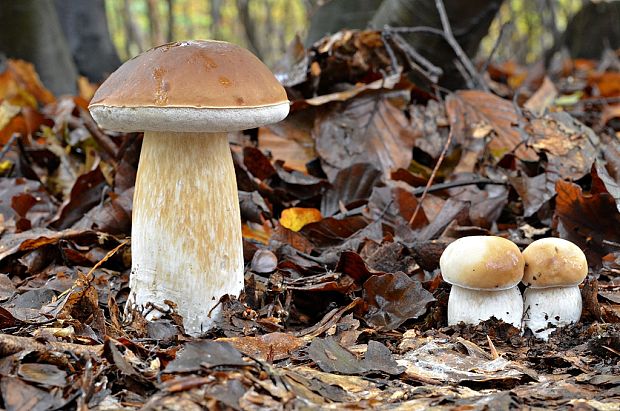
x=346, y=207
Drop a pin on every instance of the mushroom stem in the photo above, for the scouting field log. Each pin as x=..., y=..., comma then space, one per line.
x=474, y=306
x=546, y=309
x=185, y=191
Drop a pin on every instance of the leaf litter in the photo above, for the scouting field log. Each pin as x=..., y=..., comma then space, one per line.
x=346, y=208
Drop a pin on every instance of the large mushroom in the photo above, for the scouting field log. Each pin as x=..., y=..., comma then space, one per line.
x=554, y=268
x=484, y=272
x=186, y=231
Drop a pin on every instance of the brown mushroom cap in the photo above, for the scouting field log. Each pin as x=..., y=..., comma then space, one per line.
x=198, y=85
x=482, y=263
x=554, y=262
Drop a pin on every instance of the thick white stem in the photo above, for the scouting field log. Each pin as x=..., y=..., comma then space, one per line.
x=186, y=228
x=546, y=309
x=474, y=306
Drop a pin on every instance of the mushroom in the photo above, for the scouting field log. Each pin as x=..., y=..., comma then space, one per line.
x=554, y=268
x=484, y=272
x=186, y=232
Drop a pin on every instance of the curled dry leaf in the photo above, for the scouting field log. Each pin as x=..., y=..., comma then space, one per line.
x=269, y=347
x=365, y=130
x=471, y=111
x=393, y=299
x=588, y=220
x=352, y=185
x=295, y=218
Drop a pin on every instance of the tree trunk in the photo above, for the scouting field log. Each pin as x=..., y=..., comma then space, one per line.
x=155, y=32
x=170, y=33
x=249, y=26
x=85, y=26
x=469, y=20
x=339, y=14
x=133, y=36
x=216, y=17
x=593, y=29
x=29, y=30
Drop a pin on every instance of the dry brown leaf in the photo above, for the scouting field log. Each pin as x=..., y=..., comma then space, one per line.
x=470, y=111
x=364, y=130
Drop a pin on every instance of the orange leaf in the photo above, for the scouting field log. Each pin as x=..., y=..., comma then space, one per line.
x=256, y=232
x=20, y=85
x=608, y=83
x=295, y=218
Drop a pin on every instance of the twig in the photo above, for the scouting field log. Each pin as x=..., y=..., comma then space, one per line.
x=101, y=138
x=11, y=344
x=453, y=184
x=7, y=146
x=502, y=30
x=611, y=243
x=492, y=348
x=417, y=29
x=90, y=275
x=106, y=257
x=449, y=36
x=415, y=59
x=432, y=177
x=385, y=36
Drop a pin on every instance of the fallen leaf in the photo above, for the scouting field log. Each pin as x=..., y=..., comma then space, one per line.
x=393, y=299
x=331, y=357
x=44, y=374
x=364, y=130
x=466, y=109
x=272, y=347
x=197, y=354
x=587, y=220
x=543, y=98
x=295, y=218
x=352, y=185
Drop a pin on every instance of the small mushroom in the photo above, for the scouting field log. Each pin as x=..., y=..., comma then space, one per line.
x=186, y=226
x=554, y=268
x=484, y=272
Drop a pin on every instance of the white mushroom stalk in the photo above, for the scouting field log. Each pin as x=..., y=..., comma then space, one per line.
x=475, y=306
x=484, y=272
x=186, y=233
x=186, y=228
x=553, y=270
x=546, y=309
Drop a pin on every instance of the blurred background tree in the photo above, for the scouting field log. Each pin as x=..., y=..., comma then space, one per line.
x=91, y=37
x=263, y=26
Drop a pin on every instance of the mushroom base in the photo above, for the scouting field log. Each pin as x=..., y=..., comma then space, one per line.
x=186, y=229
x=549, y=308
x=473, y=306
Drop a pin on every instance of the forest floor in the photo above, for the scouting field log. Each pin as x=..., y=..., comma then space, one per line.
x=346, y=207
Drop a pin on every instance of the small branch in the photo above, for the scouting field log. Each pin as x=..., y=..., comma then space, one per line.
x=11, y=344
x=449, y=36
x=385, y=36
x=417, y=29
x=454, y=184
x=502, y=30
x=432, y=177
x=415, y=59
x=8, y=145
x=101, y=138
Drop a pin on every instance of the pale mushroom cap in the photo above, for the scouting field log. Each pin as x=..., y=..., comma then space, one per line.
x=190, y=86
x=482, y=263
x=554, y=262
